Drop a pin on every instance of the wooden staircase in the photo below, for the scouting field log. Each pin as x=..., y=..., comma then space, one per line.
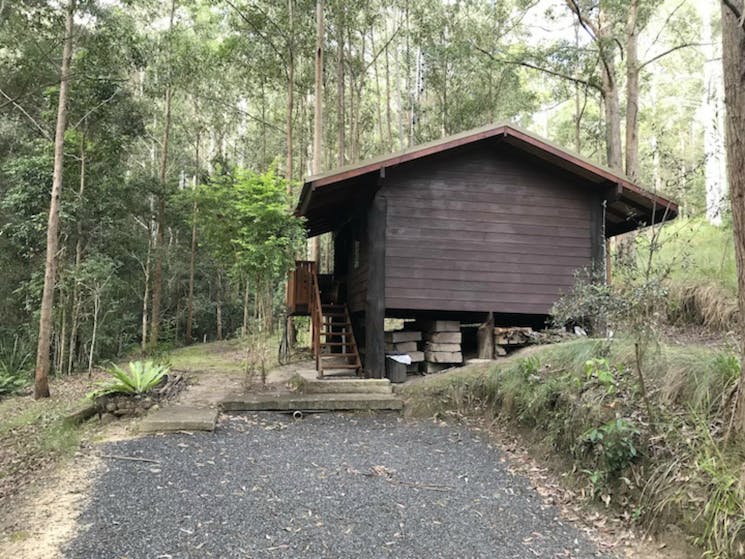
x=334, y=345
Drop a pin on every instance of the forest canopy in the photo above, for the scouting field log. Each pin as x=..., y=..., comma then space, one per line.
x=189, y=125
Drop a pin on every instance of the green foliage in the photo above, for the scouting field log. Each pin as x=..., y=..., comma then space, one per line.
x=141, y=377
x=246, y=222
x=529, y=367
x=599, y=369
x=16, y=362
x=615, y=443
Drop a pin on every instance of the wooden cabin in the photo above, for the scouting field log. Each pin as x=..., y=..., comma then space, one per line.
x=493, y=220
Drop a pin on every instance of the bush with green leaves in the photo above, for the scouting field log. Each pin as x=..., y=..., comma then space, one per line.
x=615, y=444
x=141, y=377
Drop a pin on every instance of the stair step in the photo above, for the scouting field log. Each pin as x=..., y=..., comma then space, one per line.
x=347, y=386
x=339, y=344
x=332, y=366
x=312, y=402
x=347, y=354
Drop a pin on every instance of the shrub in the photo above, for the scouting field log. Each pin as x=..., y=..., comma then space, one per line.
x=141, y=377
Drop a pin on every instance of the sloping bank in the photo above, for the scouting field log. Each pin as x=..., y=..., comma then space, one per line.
x=583, y=400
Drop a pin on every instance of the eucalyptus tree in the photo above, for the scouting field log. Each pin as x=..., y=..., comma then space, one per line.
x=733, y=61
x=41, y=376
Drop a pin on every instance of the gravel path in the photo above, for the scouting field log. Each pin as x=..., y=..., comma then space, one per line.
x=265, y=485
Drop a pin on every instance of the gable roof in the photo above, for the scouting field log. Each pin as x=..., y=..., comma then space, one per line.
x=326, y=199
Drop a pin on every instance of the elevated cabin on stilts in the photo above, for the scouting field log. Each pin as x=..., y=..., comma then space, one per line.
x=491, y=222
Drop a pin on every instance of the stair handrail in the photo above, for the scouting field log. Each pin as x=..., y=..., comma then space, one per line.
x=316, y=317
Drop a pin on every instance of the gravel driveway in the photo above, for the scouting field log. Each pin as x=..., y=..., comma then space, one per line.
x=265, y=485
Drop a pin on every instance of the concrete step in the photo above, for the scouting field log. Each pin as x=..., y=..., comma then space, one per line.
x=179, y=418
x=311, y=402
x=347, y=386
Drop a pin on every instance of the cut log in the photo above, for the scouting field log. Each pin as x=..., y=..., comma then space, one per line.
x=513, y=336
x=443, y=356
x=403, y=336
x=485, y=337
x=431, y=346
x=445, y=337
x=500, y=351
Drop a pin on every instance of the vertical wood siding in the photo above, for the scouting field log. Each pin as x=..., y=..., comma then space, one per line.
x=484, y=228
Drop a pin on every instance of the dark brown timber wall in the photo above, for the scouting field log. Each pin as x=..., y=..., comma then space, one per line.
x=358, y=268
x=484, y=229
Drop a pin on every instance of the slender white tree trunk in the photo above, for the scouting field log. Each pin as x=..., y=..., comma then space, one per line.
x=41, y=376
x=712, y=120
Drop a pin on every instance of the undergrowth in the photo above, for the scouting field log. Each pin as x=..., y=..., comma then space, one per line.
x=582, y=398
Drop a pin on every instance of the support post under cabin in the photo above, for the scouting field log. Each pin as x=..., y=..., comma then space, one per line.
x=597, y=236
x=375, y=299
x=597, y=250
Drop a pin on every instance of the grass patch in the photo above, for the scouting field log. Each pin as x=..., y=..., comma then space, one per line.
x=697, y=252
x=581, y=399
x=227, y=356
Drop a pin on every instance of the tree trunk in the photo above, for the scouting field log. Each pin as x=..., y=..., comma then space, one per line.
x=632, y=92
x=378, y=94
x=193, y=252
x=96, y=308
x=612, y=119
x=340, y=89
x=41, y=376
x=733, y=63
x=160, y=252
x=712, y=120
x=290, y=92
x=219, y=307
x=388, y=112
x=75, y=308
x=62, y=341
x=246, y=293
x=315, y=245
x=146, y=274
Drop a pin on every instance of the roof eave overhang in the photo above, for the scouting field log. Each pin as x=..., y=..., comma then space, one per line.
x=623, y=187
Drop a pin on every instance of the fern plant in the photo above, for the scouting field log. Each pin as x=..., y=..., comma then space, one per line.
x=140, y=377
x=15, y=366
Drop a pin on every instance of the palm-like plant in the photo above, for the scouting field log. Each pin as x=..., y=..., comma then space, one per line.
x=140, y=377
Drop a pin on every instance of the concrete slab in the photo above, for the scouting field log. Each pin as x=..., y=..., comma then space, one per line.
x=179, y=418
x=311, y=402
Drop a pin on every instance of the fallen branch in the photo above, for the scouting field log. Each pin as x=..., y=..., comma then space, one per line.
x=130, y=458
x=428, y=486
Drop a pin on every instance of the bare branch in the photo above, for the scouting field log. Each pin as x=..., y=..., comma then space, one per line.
x=256, y=30
x=594, y=32
x=664, y=53
x=23, y=111
x=94, y=109
x=381, y=50
x=549, y=71
x=664, y=24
